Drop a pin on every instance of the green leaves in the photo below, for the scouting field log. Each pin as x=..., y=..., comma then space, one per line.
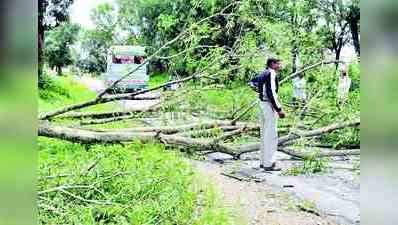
x=144, y=183
x=104, y=17
x=58, y=45
x=166, y=22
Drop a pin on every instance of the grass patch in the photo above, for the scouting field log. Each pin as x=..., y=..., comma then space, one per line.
x=157, y=79
x=222, y=102
x=311, y=165
x=62, y=91
x=143, y=184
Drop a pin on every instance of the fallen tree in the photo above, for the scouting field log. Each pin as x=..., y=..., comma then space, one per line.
x=300, y=134
x=95, y=137
x=101, y=115
x=328, y=153
x=169, y=135
x=184, y=128
x=88, y=136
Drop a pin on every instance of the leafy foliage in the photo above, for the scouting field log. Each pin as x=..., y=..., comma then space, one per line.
x=58, y=45
x=52, y=90
x=96, y=42
x=243, y=36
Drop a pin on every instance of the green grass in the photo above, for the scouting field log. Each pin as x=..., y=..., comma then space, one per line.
x=63, y=91
x=157, y=79
x=145, y=183
x=312, y=164
x=222, y=102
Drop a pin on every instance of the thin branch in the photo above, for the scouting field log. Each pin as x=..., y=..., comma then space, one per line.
x=293, y=75
x=330, y=153
x=187, y=50
x=250, y=107
x=113, y=98
x=63, y=187
x=98, y=202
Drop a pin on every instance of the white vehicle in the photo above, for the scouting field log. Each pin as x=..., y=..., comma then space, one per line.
x=120, y=61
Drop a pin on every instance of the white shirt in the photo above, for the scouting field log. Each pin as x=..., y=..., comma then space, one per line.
x=299, y=88
x=343, y=87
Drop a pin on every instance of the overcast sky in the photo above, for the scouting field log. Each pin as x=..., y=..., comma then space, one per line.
x=80, y=11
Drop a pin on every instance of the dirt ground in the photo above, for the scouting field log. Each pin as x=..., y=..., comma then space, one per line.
x=259, y=203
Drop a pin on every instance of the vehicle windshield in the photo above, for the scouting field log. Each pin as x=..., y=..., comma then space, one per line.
x=122, y=59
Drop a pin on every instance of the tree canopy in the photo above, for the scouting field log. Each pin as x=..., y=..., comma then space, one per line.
x=58, y=45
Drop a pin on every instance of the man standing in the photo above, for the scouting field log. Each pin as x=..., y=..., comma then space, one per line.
x=270, y=110
x=299, y=83
x=343, y=87
x=299, y=92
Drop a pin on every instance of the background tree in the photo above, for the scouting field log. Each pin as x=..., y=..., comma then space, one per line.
x=58, y=46
x=236, y=30
x=353, y=19
x=96, y=42
x=336, y=28
x=51, y=13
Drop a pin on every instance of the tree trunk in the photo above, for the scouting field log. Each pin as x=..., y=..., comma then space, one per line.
x=295, y=60
x=328, y=153
x=338, y=53
x=295, y=48
x=282, y=141
x=87, y=137
x=92, y=137
x=354, y=28
x=59, y=70
x=40, y=46
x=168, y=135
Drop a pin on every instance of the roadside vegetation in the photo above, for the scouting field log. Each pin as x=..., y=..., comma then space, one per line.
x=118, y=184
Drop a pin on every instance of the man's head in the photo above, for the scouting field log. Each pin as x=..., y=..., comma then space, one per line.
x=274, y=64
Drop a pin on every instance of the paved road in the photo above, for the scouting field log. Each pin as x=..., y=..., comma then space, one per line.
x=336, y=194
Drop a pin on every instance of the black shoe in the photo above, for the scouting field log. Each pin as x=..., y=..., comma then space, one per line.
x=270, y=168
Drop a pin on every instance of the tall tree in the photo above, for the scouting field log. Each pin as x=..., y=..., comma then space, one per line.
x=162, y=20
x=353, y=19
x=96, y=42
x=336, y=27
x=51, y=13
x=301, y=17
x=58, y=44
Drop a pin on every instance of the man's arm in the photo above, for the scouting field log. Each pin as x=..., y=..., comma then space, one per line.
x=270, y=90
